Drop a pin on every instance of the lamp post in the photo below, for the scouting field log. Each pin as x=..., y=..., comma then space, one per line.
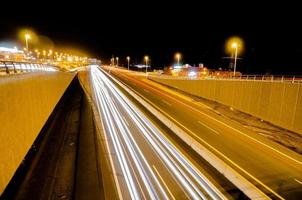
x=178, y=58
x=235, y=46
x=27, y=37
x=116, y=61
x=146, y=59
x=128, y=59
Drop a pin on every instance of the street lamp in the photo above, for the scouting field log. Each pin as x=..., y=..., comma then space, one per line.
x=27, y=37
x=146, y=59
x=128, y=59
x=116, y=61
x=178, y=57
x=235, y=46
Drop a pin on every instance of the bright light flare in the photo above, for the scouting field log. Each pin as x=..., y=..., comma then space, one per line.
x=232, y=43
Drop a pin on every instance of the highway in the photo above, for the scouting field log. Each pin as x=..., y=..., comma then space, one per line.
x=273, y=168
x=146, y=164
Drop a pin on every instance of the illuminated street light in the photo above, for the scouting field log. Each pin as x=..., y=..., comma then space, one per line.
x=116, y=61
x=27, y=37
x=177, y=55
x=234, y=46
x=128, y=59
x=146, y=59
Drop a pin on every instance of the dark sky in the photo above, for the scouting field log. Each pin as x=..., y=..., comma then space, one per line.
x=272, y=33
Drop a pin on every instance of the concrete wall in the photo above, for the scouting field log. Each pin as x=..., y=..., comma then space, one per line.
x=277, y=102
x=26, y=101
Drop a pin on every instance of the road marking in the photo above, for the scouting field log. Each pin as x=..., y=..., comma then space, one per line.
x=208, y=127
x=167, y=103
x=244, y=134
x=162, y=180
x=126, y=121
x=211, y=147
x=298, y=181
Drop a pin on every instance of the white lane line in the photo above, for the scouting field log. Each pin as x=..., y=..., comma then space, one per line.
x=126, y=121
x=208, y=127
x=167, y=103
x=146, y=90
x=298, y=181
x=162, y=180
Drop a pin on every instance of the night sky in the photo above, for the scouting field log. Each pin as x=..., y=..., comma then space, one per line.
x=272, y=33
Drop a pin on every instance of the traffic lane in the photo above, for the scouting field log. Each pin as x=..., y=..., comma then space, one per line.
x=222, y=121
x=129, y=182
x=235, y=126
x=161, y=171
x=169, y=179
x=202, y=165
x=161, y=158
x=288, y=184
x=266, y=164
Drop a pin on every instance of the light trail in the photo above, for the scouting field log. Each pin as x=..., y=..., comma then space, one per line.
x=111, y=103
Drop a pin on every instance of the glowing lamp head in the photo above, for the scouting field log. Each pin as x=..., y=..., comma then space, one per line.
x=146, y=58
x=234, y=45
x=27, y=36
x=128, y=58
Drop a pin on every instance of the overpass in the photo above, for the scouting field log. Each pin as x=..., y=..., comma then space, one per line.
x=110, y=133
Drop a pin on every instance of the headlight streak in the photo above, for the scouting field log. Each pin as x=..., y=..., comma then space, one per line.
x=118, y=148
x=160, y=149
x=202, y=180
x=179, y=166
x=132, y=149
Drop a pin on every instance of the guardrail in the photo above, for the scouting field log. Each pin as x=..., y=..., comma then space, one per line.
x=271, y=78
x=12, y=67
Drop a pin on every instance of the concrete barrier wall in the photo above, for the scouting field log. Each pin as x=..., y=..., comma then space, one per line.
x=279, y=103
x=26, y=101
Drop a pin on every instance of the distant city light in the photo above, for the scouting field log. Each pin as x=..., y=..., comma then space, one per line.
x=192, y=74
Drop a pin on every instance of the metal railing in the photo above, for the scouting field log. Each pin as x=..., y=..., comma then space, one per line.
x=13, y=67
x=251, y=77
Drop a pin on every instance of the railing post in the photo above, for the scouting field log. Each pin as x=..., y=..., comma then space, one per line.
x=15, y=71
x=6, y=68
x=293, y=79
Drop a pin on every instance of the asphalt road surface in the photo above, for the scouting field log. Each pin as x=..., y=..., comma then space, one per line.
x=273, y=168
x=147, y=164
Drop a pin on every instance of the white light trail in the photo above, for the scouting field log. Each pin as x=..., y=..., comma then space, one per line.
x=125, y=145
